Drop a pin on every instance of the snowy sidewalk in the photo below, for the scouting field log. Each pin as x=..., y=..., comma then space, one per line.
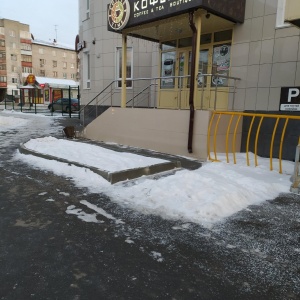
x=107, y=163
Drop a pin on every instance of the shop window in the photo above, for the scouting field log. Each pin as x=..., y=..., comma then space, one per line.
x=202, y=68
x=221, y=64
x=129, y=67
x=168, y=61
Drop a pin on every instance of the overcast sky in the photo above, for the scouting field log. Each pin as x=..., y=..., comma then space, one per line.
x=42, y=16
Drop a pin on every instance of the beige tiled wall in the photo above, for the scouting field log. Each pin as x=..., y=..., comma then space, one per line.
x=266, y=58
x=103, y=52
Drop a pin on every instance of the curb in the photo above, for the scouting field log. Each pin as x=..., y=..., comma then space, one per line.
x=110, y=177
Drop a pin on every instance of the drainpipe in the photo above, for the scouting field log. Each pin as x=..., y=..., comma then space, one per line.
x=124, y=65
x=192, y=81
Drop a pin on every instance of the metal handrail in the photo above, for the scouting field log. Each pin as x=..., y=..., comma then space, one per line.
x=98, y=94
x=178, y=83
x=147, y=87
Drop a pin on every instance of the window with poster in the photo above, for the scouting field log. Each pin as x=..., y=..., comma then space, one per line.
x=168, y=64
x=221, y=64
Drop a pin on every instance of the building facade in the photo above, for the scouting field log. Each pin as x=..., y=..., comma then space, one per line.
x=54, y=60
x=201, y=55
x=21, y=55
x=15, y=56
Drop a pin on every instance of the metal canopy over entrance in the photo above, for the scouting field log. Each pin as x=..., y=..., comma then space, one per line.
x=177, y=27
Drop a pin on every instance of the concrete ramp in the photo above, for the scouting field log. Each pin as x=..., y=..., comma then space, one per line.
x=112, y=177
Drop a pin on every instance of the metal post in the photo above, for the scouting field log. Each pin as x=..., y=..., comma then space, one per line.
x=132, y=83
x=35, y=90
x=78, y=97
x=111, y=98
x=233, y=99
x=124, y=66
x=70, y=104
x=96, y=103
x=202, y=94
x=149, y=95
x=216, y=88
x=155, y=96
x=13, y=100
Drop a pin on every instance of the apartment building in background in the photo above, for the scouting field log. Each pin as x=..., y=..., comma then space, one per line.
x=54, y=60
x=15, y=56
x=21, y=55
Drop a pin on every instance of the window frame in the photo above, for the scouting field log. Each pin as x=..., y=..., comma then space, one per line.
x=281, y=5
x=118, y=70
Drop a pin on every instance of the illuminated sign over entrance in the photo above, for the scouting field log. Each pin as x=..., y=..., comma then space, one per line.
x=129, y=13
x=118, y=14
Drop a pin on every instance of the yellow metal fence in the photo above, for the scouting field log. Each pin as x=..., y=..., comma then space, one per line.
x=232, y=131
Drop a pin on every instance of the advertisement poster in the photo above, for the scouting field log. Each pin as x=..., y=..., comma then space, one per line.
x=168, y=69
x=56, y=94
x=221, y=64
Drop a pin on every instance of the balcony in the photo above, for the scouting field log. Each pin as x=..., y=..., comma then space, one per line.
x=26, y=64
x=292, y=12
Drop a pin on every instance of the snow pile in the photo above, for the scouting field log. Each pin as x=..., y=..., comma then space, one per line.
x=9, y=123
x=204, y=196
x=90, y=155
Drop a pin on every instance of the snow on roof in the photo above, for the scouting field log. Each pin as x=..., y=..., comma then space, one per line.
x=55, y=81
x=54, y=44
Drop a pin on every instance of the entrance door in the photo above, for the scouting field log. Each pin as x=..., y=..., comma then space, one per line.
x=184, y=58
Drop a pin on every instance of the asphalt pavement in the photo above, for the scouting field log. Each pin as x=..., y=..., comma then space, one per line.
x=47, y=253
